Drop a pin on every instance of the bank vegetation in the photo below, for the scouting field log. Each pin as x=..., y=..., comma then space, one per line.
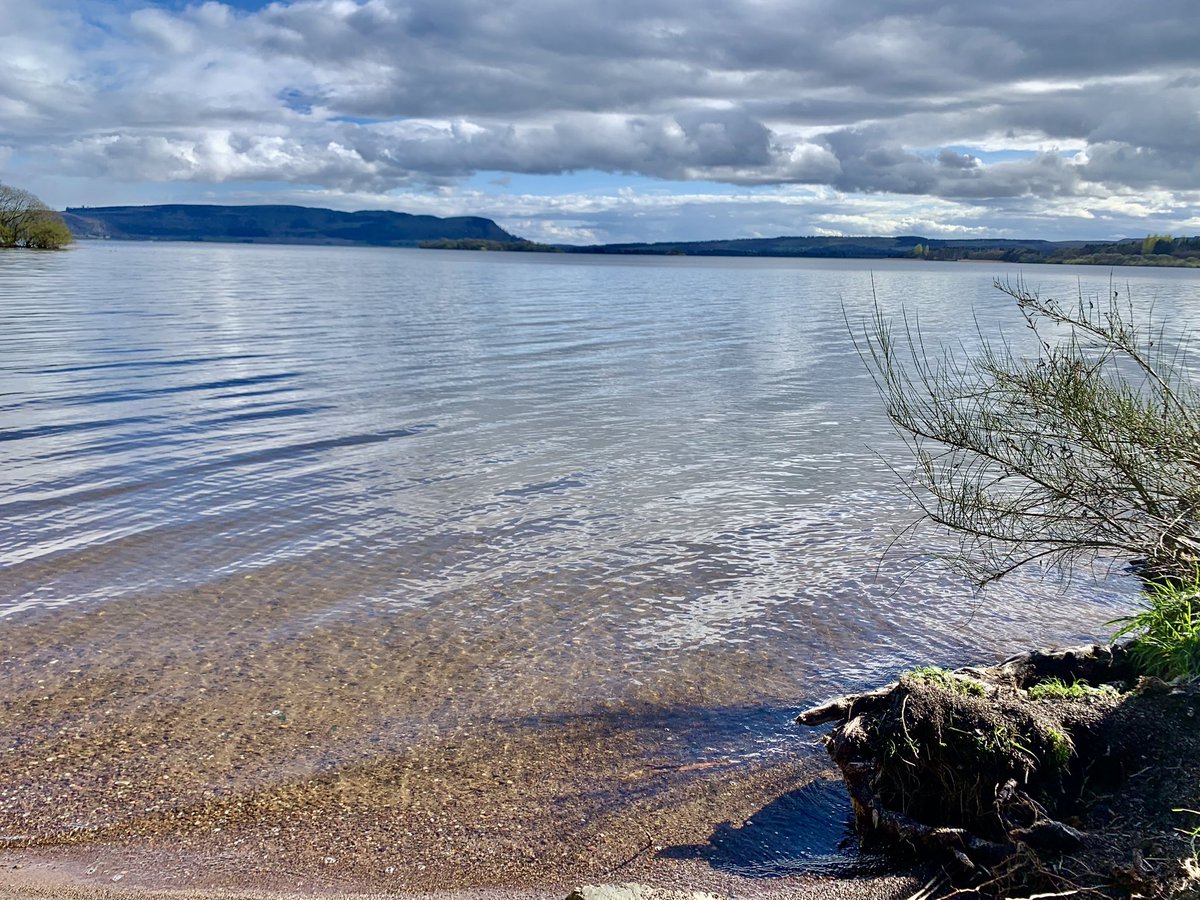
x=1064, y=773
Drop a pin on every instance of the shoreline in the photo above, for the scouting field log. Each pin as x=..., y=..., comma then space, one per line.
x=672, y=848
x=80, y=875
x=586, y=802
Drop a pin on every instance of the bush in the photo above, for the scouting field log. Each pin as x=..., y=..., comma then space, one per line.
x=1087, y=447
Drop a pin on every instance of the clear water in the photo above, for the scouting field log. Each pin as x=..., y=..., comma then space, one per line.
x=481, y=488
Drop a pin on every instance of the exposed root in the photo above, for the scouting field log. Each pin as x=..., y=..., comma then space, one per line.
x=1019, y=797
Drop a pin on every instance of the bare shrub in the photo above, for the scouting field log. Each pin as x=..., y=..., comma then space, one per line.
x=1086, y=447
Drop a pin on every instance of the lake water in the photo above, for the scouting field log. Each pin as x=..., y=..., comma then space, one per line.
x=419, y=537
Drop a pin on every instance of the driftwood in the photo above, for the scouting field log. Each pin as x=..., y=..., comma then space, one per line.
x=1086, y=791
x=1082, y=792
x=1097, y=664
x=842, y=709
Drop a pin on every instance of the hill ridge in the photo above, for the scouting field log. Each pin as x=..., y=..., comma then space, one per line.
x=273, y=224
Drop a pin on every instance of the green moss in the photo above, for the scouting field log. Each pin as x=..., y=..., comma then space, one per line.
x=947, y=680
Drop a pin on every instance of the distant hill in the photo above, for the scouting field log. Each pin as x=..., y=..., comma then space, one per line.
x=274, y=225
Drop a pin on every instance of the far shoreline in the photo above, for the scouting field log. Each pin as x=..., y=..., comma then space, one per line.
x=288, y=224
x=563, y=252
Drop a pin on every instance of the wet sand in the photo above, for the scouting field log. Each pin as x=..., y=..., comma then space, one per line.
x=346, y=835
x=53, y=881
x=573, y=812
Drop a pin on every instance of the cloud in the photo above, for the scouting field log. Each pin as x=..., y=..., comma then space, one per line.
x=716, y=144
x=900, y=99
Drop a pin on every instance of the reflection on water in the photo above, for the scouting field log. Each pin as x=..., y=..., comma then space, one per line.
x=395, y=496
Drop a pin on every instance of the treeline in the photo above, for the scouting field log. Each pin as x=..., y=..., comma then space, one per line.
x=476, y=244
x=833, y=247
x=1153, y=250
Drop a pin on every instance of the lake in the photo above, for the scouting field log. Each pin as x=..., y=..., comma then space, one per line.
x=438, y=569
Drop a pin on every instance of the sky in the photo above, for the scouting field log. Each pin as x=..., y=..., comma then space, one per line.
x=623, y=120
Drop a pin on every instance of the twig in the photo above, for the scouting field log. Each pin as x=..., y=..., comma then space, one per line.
x=646, y=846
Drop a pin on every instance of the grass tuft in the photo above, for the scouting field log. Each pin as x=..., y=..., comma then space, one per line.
x=1061, y=748
x=1192, y=864
x=1166, y=630
x=1057, y=689
x=947, y=680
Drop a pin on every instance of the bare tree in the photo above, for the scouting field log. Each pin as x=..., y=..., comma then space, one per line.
x=1087, y=447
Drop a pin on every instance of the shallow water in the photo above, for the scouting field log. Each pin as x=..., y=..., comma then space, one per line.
x=278, y=516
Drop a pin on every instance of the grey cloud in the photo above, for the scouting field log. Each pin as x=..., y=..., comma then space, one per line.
x=716, y=143
x=726, y=138
x=869, y=163
x=863, y=97
x=1141, y=167
x=1171, y=125
x=428, y=57
x=952, y=160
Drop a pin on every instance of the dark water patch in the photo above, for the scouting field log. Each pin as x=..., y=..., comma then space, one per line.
x=99, y=484
x=149, y=393
x=808, y=831
x=59, y=430
x=260, y=414
x=53, y=496
x=266, y=392
x=169, y=436
x=306, y=448
x=147, y=363
x=547, y=487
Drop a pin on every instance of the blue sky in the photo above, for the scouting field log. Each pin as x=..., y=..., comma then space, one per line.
x=646, y=120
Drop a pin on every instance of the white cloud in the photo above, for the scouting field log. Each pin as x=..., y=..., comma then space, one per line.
x=370, y=97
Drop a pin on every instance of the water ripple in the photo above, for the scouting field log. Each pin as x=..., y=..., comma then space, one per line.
x=627, y=475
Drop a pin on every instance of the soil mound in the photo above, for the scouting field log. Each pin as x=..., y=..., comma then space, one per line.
x=1054, y=771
